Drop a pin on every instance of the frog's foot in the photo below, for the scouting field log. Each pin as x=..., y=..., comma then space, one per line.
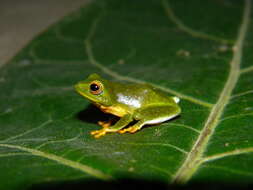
x=124, y=121
x=105, y=124
x=132, y=129
x=101, y=132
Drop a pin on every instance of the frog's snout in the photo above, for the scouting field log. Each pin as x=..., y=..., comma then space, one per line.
x=79, y=87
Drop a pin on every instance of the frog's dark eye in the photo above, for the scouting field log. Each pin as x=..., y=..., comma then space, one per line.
x=96, y=88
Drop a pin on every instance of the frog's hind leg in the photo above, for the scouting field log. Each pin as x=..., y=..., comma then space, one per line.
x=124, y=121
x=152, y=115
x=133, y=128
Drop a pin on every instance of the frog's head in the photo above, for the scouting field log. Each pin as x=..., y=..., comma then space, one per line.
x=95, y=89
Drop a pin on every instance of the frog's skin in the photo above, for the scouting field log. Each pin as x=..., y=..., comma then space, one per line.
x=131, y=102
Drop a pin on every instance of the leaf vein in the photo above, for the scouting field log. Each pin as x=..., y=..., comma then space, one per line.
x=59, y=141
x=171, y=15
x=28, y=131
x=191, y=163
x=160, y=169
x=157, y=144
x=236, y=116
x=186, y=126
x=242, y=94
x=15, y=154
x=81, y=167
x=226, y=154
x=247, y=70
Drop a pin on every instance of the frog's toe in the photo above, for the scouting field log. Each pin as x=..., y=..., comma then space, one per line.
x=101, y=123
x=102, y=132
x=122, y=131
x=105, y=124
x=98, y=133
x=94, y=132
x=132, y=129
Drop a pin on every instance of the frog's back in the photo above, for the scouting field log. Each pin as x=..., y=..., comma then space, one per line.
x=159, y=96
x=137, y=95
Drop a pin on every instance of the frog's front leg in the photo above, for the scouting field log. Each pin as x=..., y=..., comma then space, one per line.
x=124, y=121
x=152, y=115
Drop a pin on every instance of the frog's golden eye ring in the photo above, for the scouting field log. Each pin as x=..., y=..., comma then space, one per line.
x=96, y=88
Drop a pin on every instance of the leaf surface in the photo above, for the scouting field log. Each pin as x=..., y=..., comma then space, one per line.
x=199, y=51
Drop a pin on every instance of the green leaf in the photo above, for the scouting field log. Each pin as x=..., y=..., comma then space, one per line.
x=198, y=50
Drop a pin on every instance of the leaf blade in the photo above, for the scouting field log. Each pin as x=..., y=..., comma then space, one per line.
x=38, y=92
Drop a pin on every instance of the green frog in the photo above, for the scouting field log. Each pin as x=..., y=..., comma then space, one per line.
x=131, y=102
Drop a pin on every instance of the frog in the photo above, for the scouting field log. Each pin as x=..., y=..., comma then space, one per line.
x=138, y=103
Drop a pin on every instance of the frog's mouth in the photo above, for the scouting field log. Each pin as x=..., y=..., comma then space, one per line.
x=79, y=89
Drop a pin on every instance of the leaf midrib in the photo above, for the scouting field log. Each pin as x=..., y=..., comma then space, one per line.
x=193, y=159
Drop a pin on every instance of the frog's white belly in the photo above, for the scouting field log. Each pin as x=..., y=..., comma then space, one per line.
x=160, y=120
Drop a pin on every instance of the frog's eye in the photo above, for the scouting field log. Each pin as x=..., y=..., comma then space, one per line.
x=96, y=88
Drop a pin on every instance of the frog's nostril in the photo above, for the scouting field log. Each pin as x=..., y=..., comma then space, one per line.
x=78, y=86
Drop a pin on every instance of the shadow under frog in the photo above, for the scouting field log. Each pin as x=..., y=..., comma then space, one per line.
x=92, y=114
